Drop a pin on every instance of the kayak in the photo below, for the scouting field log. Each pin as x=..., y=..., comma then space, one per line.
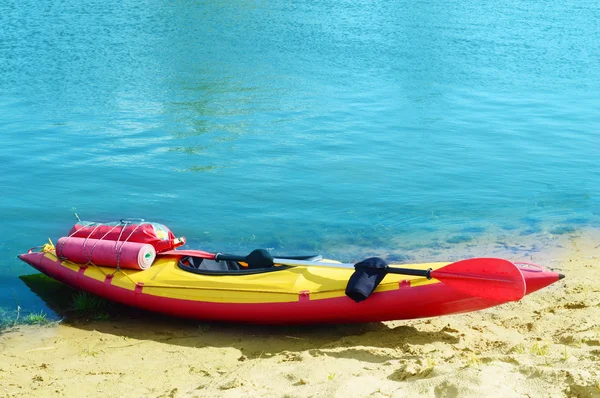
x=293, y=290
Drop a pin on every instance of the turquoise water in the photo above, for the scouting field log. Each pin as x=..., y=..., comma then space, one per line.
x=343, y=128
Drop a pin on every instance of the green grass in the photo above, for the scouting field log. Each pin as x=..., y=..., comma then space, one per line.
x=541, y=350
x=474, y=361
x=91, y=307
x=36, y=318
x=6, y=320
x=430, y=363
x=519, y=349
x=66, y=301
x=10, y=319
x=86, y=303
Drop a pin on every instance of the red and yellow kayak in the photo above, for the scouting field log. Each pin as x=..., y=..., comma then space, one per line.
x=280, y=295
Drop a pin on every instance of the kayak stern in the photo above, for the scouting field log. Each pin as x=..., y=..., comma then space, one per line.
x=537, y=277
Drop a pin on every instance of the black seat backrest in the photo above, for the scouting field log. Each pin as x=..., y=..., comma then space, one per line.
x=210, y=265
x=202, y=266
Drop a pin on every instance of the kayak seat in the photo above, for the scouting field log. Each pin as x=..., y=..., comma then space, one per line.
x=209, y=265
x=203, y=266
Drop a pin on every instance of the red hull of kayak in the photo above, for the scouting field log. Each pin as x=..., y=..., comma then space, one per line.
x=403, y=303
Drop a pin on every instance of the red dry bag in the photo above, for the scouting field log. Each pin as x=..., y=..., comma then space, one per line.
x=139, y=231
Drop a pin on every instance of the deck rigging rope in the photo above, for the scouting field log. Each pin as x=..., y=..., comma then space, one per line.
x=118, y=249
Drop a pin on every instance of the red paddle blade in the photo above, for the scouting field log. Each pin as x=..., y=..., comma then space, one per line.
x=490, y=278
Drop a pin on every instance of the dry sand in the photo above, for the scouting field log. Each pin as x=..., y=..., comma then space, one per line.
x=546, y=345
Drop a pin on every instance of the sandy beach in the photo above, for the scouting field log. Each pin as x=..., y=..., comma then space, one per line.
x=546, y=345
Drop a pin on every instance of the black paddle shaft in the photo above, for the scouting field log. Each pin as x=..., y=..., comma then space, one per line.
x=407, y=271
x=266, y=259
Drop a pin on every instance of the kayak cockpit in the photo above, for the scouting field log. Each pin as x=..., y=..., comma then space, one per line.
x=205, y=266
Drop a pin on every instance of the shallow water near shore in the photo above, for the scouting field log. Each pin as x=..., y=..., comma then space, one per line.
x=409, y=130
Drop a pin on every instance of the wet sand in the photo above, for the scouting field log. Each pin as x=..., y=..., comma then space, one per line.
x=546, y=345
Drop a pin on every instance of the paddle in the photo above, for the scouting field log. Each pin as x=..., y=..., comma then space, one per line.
x=490, y=278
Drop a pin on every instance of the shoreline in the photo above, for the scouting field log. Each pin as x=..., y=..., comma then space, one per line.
x=547, y=344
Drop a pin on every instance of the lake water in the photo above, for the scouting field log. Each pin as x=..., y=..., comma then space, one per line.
x=345, y=128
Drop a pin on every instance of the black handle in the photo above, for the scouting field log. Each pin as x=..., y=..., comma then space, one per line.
x=229, y=257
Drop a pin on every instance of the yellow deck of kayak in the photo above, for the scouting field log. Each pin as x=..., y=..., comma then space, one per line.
x=166, y=279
